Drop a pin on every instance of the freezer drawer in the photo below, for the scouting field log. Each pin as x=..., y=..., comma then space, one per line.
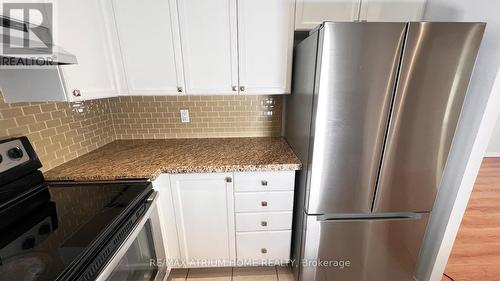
x=362, y=249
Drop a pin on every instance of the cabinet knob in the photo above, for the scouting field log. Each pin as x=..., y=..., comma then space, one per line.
x=263, y=250
x=179, y=89
x=263, y=182
x=242, y=88
x=77, y=93
x=263, y=203
x=235, y=88
x=263, y=223
x=229, y=179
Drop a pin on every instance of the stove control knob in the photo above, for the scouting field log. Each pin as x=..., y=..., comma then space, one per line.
x=15, y=153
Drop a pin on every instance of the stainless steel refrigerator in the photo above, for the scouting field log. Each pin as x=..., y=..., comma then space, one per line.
x=372, y=115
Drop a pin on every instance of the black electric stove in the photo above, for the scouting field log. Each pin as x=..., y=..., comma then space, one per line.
x=64, y=231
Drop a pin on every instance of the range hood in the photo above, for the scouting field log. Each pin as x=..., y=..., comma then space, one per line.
x=21, y=46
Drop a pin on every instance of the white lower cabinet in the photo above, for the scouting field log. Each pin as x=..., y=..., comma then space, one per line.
x=264, y=181
x=263, y=248
x=207, y=223
x=203, y=205
x=263, y=203
x=263, y=221
x=167, y=219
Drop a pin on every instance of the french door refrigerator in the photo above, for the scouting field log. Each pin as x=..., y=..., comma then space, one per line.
x=372, y=115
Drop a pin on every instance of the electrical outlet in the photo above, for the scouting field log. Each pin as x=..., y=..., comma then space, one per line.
x=185, y=116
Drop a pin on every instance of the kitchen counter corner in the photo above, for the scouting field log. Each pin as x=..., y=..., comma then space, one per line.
x=147, y=159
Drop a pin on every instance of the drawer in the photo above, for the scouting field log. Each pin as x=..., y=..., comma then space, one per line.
x=263, y=181
x=270, y=247
x=263, y=221
x=263, y=201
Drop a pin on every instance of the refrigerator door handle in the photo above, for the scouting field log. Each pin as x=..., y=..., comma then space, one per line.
x=377, y=216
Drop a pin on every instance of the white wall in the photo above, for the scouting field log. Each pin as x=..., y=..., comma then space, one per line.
x=494, y=145
x=475, y=126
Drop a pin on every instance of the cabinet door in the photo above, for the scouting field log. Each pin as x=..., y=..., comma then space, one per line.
x=84, y=28
x=311, y=13
x=391, y=10
x=167, y=218
x=204, y=213
x=150, y=46
x=209, y=46
x=265, y=42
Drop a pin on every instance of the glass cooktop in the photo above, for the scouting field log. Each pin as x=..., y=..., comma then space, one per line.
x=62, y=233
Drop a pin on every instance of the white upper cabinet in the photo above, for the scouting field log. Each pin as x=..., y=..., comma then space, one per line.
x=265, y=42
x=148, y=32
x=84, y=28
x=311, y=13
x=392, y=10
x=209, y=46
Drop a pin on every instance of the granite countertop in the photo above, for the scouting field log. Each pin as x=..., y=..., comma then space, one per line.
x=147, y=159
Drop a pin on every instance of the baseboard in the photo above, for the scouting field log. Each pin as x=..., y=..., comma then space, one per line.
x=492, y=154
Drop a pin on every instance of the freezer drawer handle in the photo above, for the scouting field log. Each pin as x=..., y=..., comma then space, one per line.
x=263, y=203
x=377, y=216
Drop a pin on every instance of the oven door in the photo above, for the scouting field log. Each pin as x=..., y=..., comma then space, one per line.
x=142, y=255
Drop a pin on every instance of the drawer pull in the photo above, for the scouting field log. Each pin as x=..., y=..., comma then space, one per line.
x=263, y=182
x=263, y=223
x=263, y=250
x=263, y=203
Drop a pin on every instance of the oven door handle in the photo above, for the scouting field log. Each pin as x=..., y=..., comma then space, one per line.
x=151, y=198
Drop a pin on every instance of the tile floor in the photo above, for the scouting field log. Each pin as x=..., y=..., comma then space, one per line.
x=277, y=273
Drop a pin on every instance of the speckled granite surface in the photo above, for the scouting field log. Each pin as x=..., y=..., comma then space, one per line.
x=131, y=159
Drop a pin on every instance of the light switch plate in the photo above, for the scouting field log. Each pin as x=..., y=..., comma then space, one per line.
x=185, y=116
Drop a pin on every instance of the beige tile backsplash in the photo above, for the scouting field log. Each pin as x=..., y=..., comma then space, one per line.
x=211, y=116
x=59, y=131
x=62, y=131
